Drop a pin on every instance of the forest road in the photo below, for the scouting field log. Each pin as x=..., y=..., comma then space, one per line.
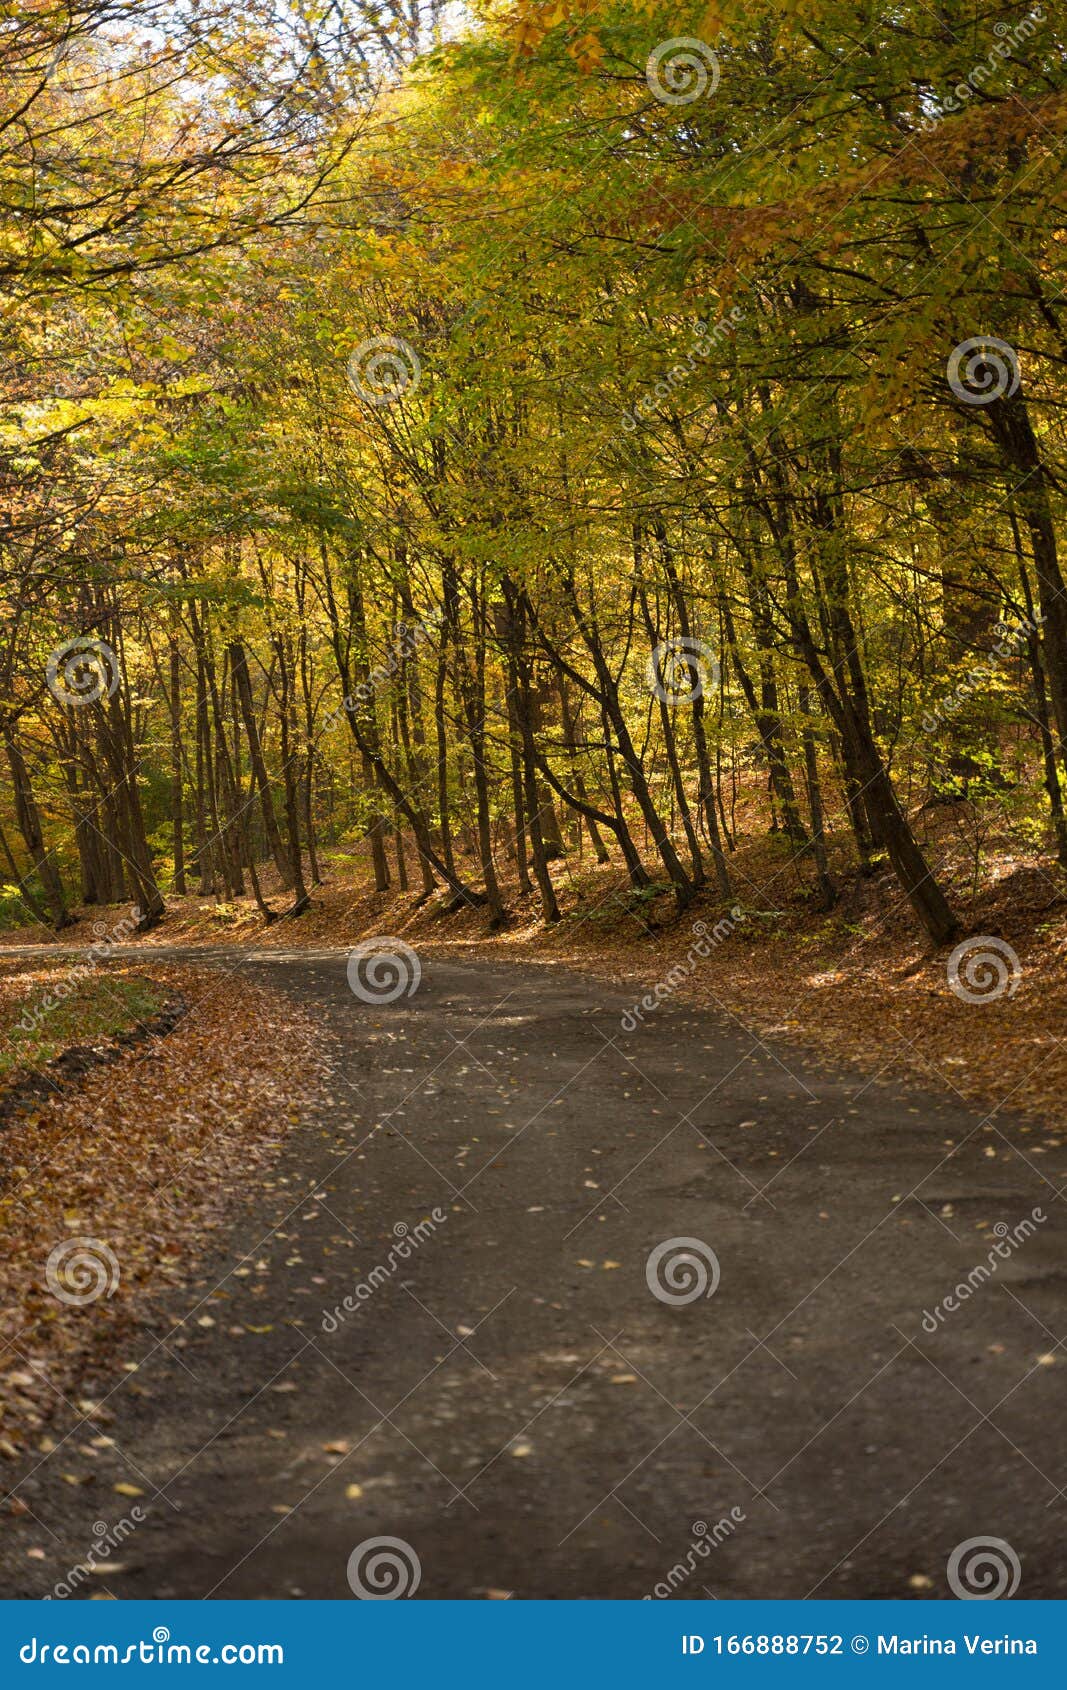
x=529, y=1394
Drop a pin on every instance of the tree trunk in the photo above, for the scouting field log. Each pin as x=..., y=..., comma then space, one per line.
x=177, y=812
x=271, y=833
x=28, y=819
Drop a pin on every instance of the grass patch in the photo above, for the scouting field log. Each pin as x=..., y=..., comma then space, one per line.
x=44, y=1017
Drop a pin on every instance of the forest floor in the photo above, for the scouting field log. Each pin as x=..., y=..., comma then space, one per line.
x=439, y=1320
x=121, y=1156
x=46, y=1014
x=811, y=1098
x=860, y=982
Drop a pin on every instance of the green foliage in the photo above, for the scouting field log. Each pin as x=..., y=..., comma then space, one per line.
x=66, y=1010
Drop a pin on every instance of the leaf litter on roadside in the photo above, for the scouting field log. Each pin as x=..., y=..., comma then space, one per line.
x=139, y=1163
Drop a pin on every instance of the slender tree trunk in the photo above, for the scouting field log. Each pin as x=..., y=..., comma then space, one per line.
x=666, y=723
x=230, y=840
x=28, y=819
x=1012, y=429
x=845, y=701
x=516, y=751
x=290, y=776
x=609, y=692
x=815, y=805
x=177, y=808
x=470, y=683
x=271, y=833
x=1053, y=785
x=524, y=711
x=600, y=850
x=36, y=909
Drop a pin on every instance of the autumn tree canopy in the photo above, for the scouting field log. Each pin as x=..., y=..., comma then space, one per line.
x=510, y=435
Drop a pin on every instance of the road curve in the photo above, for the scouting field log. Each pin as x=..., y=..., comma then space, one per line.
x=526, y=1388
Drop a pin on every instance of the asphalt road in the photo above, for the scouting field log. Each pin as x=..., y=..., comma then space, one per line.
x=528, y=1405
